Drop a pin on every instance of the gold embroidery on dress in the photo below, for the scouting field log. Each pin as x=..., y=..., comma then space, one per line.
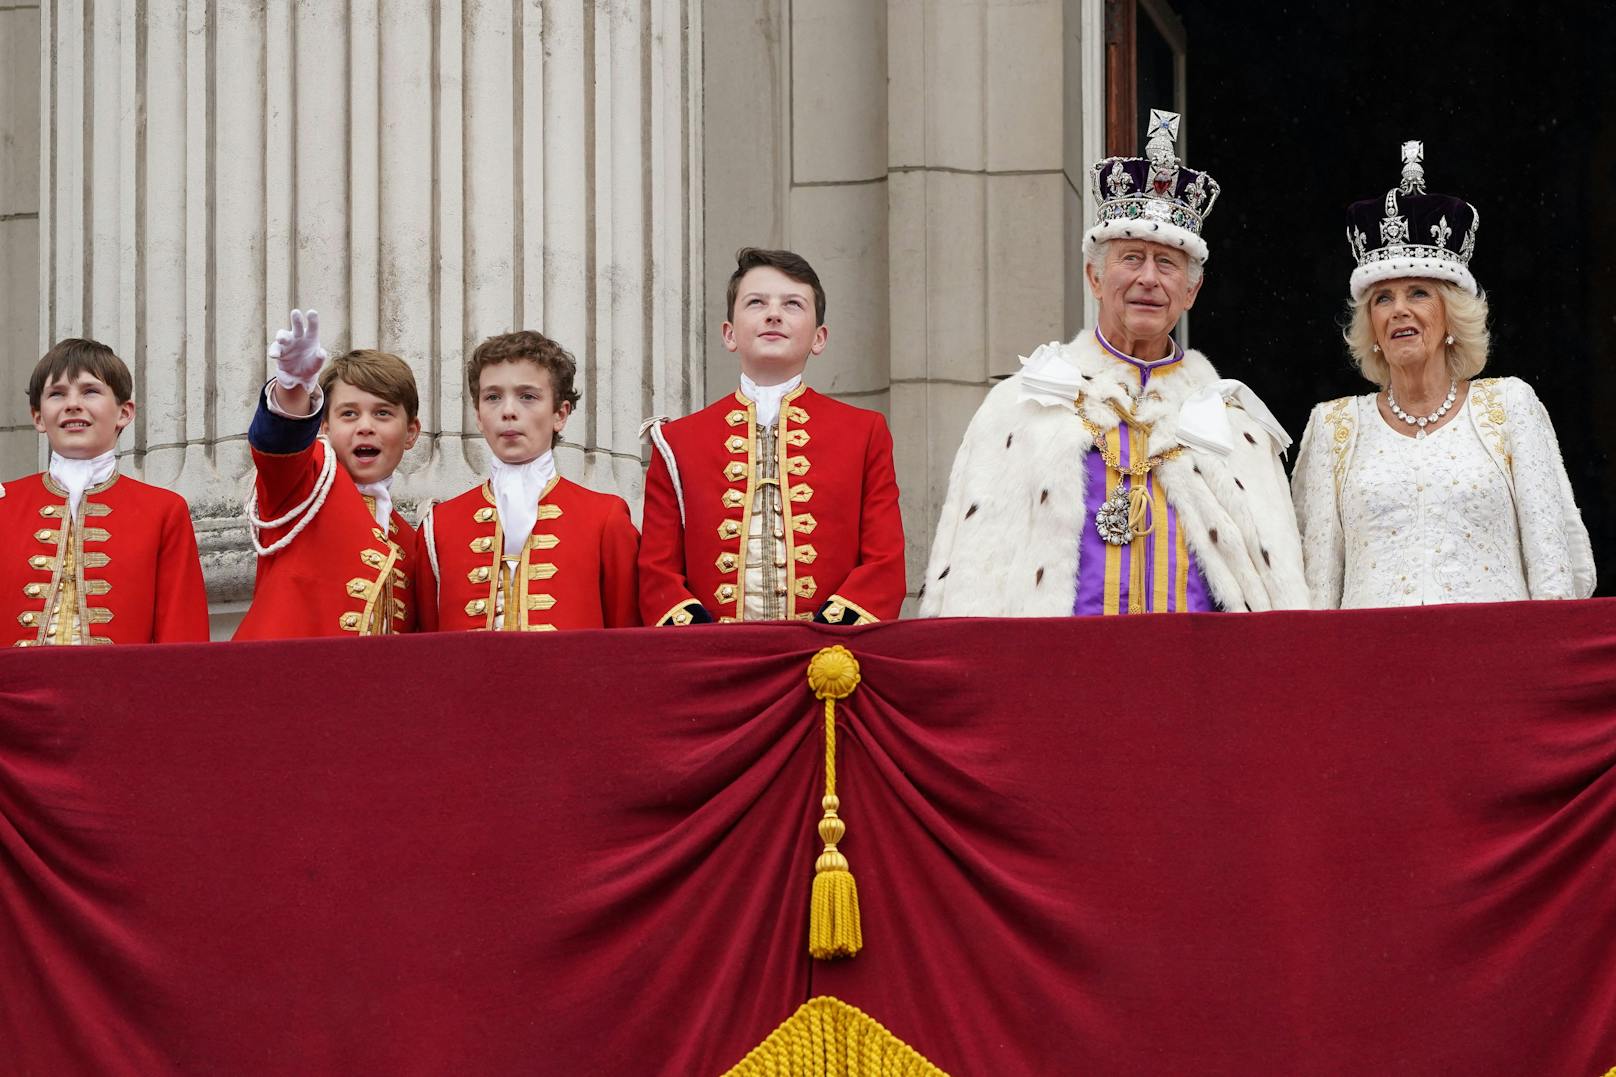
x=1341, y=430
x=1487, y=404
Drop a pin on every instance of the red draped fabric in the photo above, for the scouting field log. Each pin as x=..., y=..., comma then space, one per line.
x=1363, y=842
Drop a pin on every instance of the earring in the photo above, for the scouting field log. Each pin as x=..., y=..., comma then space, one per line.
x=1450, y=340
x=1374, y=347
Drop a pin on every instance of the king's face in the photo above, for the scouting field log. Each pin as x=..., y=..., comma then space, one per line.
x=1143, y=288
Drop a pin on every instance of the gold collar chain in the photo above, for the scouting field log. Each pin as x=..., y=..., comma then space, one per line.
x=1114, y=461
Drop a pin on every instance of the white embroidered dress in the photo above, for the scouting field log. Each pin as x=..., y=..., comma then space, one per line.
x=1478, y=511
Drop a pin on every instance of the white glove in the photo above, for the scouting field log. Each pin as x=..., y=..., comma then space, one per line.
x=297, y=353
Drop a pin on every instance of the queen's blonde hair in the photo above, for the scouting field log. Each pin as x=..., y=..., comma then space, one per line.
x=1467, y=322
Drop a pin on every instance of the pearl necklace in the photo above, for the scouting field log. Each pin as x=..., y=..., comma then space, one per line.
x=1391, y=402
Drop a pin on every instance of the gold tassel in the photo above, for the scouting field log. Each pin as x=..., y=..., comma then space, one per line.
x=833, y=917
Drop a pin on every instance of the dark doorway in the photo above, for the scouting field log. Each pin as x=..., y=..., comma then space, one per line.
x=1299, y=109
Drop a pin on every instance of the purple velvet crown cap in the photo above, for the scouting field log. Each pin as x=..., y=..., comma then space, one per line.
x=1409, y=233
x=1153, y=197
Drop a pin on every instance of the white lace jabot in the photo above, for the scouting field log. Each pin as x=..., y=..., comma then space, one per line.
x=516, y=496
x=383, y=493
x=77, y=476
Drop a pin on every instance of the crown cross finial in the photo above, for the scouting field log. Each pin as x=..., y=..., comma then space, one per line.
x=1163, y=123
x=1160, y=135
x=1413, y=172
x=1159, y=151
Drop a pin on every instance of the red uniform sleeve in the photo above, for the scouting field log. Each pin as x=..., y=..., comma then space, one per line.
x=284, y=482
x=663, y=587
x=619, y=574
x=426, y=581
x=180, y=598
x=875, y=587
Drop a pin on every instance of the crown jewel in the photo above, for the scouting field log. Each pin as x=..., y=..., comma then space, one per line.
x=1153, y=197
x=1420, y=234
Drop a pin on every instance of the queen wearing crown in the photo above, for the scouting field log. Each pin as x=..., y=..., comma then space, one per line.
x=1439, y=486
x=1117, y=473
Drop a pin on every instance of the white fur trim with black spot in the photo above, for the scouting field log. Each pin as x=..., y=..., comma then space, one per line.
x=1371, y=274
x=1163, y=232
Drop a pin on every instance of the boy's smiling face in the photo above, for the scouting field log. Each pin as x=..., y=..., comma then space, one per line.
x=517, y=411
x=369, y=434
x=773, y=326
x=81, y=416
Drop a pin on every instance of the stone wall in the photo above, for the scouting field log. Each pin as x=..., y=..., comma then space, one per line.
x=19, y=232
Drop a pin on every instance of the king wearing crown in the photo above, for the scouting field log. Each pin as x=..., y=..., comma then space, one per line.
x=1117, y=473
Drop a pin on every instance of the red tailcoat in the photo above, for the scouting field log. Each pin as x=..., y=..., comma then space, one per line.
x=135, y=566
x=843, y=533
x=342, y=575
x=576, y=570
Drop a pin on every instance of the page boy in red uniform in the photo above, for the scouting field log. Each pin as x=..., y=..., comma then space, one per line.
x=334, y=557
x=527, y=550
x=88, y=555
x=775, y=503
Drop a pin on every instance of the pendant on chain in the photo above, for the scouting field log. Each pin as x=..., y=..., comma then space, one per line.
x=1112, y=518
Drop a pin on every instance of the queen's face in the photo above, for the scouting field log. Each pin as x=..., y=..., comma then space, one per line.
x=1409, y=320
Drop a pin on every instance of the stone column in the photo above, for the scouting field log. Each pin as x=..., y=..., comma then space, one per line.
x=19, y=232
x=978, y=197
x=424, y=172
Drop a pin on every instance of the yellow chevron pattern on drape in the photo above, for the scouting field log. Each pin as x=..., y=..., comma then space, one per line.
x=828, y=1038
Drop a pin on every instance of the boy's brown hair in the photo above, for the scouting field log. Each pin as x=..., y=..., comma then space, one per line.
x=535, y=347
x=381, y=374
x=792, y=264
x=74, y=356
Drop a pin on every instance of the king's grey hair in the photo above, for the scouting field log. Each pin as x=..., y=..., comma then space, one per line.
x=1096, y=257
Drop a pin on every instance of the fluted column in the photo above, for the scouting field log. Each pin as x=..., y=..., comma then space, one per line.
x=424, y=172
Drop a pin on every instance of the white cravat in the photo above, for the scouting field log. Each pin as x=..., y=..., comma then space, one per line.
x=77, y=476
x=516, y=495
x=383, y=493
x=766, y=398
